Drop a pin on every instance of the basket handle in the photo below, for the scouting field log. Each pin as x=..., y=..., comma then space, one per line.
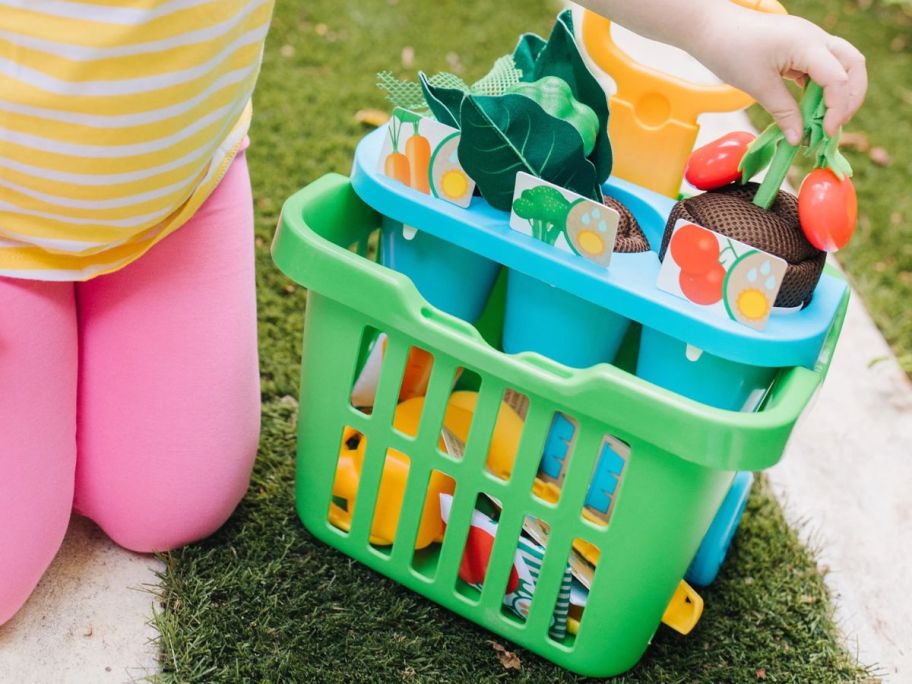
x=653, y=124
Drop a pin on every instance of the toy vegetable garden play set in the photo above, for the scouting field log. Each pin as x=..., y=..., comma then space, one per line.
x=534, y=381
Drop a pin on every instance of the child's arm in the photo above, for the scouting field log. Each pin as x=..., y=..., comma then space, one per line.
x=753, y=51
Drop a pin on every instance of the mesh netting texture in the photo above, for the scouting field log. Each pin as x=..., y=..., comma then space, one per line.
x=630, y=237
x=409, y=95
x=731, y=212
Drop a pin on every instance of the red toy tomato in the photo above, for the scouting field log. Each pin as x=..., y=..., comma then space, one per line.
x=716, y=164
x=695, y=249
x=827, y=209
x=705, y=288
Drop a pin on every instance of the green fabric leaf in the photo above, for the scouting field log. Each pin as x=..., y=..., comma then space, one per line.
x=502, y=136
x=833, y=158
x=445, y=103
x=755, y=163
x=526, y=54
x=560, y=56
x=760, y=152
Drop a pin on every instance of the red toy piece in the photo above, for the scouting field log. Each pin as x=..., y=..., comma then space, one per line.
x=827, y=209
x=705, y=288
x=718, y=163
x=695, y=249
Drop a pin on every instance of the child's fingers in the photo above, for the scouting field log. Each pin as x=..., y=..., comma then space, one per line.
x=854, y=64
x=798, y=77
x=778, y=101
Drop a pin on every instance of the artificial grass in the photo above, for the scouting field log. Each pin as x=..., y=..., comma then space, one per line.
x=879, y=258
x=262, y=600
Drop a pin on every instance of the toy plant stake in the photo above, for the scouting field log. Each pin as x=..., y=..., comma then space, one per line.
x=546, y=209
x=827, y=204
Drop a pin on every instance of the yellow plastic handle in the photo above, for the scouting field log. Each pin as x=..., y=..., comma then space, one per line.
x=684, y=610
x=653, y=123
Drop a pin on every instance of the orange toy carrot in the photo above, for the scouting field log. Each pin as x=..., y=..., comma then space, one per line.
x=397, y=165
x=418, y=151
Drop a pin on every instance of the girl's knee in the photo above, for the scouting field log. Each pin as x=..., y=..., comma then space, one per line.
x=144, y=528
x=149, y=508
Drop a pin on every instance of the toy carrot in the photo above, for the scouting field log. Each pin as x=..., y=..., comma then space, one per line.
x=418, y=152
x=397, y=164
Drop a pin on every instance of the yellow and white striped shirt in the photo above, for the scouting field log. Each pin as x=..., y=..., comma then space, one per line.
x=117, y=120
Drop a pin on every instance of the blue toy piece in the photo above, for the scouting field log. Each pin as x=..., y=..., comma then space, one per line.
x=684, y=369
x=608, y=468
x=706, y=564
x=710, y=556
x=434, y=265
x=554, y=323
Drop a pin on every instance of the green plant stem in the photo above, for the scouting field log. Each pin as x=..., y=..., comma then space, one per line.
x=778, y=169
x=785, y=153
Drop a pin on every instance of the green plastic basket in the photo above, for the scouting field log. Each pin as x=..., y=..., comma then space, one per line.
x=683, y=455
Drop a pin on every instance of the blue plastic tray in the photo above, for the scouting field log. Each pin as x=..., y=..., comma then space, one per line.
x=627, y=287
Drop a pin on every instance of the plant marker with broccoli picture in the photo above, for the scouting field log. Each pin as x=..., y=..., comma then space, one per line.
x=546, y=209
x=548, y=213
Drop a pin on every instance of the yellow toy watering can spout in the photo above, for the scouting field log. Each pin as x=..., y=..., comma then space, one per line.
x=653, y=124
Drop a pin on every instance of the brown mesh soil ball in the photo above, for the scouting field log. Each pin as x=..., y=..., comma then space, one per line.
x=731, y=212
x=630, y=237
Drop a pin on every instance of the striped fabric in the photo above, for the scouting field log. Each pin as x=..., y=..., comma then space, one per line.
x=117, y=120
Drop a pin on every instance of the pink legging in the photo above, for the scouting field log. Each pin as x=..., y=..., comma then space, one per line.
x=132, y=398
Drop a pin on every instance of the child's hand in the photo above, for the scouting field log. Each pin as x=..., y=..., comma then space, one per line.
x=754, y=51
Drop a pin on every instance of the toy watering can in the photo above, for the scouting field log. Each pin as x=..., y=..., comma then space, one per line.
x=653, y=124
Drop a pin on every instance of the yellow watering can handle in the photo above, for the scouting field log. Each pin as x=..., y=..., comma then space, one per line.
x=653, y=123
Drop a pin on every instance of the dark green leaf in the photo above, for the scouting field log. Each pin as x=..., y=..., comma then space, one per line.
x=502, y=136
x=445, y=103
x=526, y=54
x=560, y=56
